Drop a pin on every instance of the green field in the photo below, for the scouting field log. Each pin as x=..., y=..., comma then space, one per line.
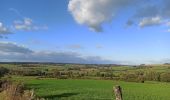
x=93, y=82
x=95, y=89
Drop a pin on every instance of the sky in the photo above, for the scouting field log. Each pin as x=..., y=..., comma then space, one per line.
x=85, y=31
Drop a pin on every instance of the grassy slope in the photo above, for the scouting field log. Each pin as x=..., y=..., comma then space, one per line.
x=96, y=89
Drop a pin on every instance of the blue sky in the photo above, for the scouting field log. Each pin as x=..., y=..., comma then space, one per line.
x=79, y=27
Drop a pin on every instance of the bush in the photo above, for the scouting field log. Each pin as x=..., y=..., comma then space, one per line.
x=165, y=77
x=16, y=91
x=152, y=76
x=3, y=71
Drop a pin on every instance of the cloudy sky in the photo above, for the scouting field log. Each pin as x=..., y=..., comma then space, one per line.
x=85, y=31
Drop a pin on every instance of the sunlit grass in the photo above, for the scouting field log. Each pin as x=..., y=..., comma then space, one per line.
x=96, y=89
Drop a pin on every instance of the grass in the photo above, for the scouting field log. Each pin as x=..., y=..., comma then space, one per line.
x=95, y=89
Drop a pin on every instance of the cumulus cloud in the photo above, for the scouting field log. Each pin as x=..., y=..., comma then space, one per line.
x=9, y=47
x=27, y=25
x=4, y=30
x=152, y=13
x=151, y=21
x=12, y=52
x=15, y=53
x=93, y=13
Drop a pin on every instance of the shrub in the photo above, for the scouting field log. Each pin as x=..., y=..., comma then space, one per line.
x=152, y=76
x=165, y=77
x=3, y=71
x=15, y=91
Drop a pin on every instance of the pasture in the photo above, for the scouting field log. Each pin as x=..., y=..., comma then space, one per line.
x=70, y=89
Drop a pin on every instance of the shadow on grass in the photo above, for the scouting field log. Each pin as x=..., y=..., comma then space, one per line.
x=33, y=86
x=60, y=95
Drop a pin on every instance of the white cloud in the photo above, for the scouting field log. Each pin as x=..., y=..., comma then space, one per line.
x=13, y=52
x=93, y=13
x=168, y=30
x=27, y=25
x=3, y=29
x=168, y=23
x=152, y=13
x=150, y=21
x=10, y=47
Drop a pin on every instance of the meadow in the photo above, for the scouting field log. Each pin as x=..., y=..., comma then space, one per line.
x=91, y=82
x=57, y=89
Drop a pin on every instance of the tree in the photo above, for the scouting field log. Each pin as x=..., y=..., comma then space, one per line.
x=3, y=71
